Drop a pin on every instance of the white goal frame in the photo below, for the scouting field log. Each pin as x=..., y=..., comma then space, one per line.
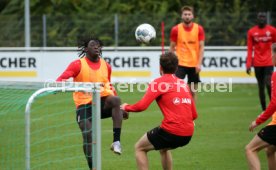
x=93, y=88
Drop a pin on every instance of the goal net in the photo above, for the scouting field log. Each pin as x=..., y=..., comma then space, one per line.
x=44, y=137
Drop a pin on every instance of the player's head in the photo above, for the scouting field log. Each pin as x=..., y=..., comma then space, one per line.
x=90, y=46
x=168, y=63
x=187, y=14
x=261, y=19
x=273, y=48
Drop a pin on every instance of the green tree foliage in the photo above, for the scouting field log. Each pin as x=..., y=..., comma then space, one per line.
x=225, y=21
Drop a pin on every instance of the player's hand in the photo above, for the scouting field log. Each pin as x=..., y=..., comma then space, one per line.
x=252, y=126
x=248, y=71
x=123, y=106
x=125, y=114
x=198, y=69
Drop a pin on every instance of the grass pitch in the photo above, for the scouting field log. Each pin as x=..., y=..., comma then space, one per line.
x=221, y=132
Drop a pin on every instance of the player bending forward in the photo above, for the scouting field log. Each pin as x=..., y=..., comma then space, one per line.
x=266, y=138
x=176, y=103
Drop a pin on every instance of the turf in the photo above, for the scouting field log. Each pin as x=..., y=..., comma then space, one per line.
x=220, y=136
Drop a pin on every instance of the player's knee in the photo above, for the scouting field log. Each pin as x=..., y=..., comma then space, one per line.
x=137, y=147
x=82, y=125
x=247, y=149
x=113, y=101
x=268, y=81
x=116, y=101
x=87, y=135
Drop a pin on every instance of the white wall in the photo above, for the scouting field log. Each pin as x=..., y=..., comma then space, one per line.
x=129, y=64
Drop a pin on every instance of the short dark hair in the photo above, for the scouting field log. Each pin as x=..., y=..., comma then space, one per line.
x=83, y=43
x=187, y=8
x=169, y=62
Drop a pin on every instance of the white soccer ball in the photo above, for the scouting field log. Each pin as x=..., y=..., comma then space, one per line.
x=145, y=33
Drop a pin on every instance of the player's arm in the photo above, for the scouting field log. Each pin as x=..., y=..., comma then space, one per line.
x=274, y=36
x=173, y=38
x=172, y=46
x=249, y=52
x=270, y=110
x=151, y=94
x=71, y=71
x=194, y=112
x=200, y=56
x=271, y=107
x=201, y=39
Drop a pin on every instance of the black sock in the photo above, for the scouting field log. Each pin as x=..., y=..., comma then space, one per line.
x=116, y=134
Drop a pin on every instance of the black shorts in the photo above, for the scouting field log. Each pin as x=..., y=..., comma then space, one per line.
x=161, y=139
x=182, y=71
x=268, y=134
x=262, y=72
x=84, y=111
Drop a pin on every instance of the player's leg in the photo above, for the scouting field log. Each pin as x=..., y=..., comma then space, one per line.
x=141, y=148
x=268, y=134
x=181, y=72
x=251, y=151
x=259, y=73
x=268, y=73
x=84, y=122
x=163, y=141
x=271, y=158
x=112, y=108
x=265, y=137
x=166, y=159
x=193, y=80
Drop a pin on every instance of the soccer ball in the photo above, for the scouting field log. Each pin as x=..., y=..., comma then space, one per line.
x=145, y=33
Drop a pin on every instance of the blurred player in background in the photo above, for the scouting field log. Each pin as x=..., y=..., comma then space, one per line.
x=91, y=68
x=266, y=138
x=259, y=40
x=176, y=103
x=187, y=40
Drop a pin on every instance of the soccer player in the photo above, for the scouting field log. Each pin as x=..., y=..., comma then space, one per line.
x=187, y=40
x=92, y=68
x=177, y=106
x=259, y=40
x=266, y=138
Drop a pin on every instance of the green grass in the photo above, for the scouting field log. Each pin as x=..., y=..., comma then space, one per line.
x=220, y=136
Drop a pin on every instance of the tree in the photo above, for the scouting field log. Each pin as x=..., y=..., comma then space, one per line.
x=225, y=21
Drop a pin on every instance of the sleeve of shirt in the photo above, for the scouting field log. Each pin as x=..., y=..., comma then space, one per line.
x=71, y=71
x=272, y=105
x=249, y=50
x=274, y=35
x=201, y=33
x=151, y=94
x=194, y=112
x=174, y=33
x=109, y=70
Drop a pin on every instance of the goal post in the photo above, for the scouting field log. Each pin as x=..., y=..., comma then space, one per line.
x=93, y=88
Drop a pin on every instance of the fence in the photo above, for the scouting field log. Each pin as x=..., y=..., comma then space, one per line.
x=118, y=29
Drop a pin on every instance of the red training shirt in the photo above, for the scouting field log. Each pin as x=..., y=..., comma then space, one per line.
x=272, y=105
x=175, y=102
x=174, y=32
x=259, y=40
